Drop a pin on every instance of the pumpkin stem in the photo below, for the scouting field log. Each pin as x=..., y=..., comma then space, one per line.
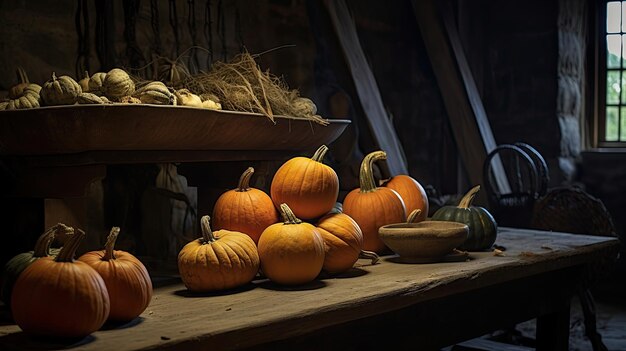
x=69, y=249
x=412, y=218
x=110, y=244
x=320, y=153
x=467, y=199
x=369, y=255
x=288, y=216
x=86, y=75
x=366, y=175
x=207, y=233
x=42, y=246
x=22, y=77
x=244, y=180
x=54, y=76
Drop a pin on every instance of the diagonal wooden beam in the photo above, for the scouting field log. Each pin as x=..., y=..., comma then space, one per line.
x=380, y=124
x=464, y=107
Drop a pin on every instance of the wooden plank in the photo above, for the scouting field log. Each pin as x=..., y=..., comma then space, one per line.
x=380, y=124
x=463, y=103
x=263, y=312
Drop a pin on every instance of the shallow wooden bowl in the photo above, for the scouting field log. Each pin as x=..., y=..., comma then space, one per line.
x=423, y=240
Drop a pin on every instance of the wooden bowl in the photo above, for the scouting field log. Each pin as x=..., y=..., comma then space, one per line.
x=423, y=241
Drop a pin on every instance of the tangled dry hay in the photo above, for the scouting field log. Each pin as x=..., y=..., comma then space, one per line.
x=240, y=85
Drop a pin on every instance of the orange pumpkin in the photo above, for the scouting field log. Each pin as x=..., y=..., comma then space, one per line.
x=218, y=260
x=60, y=297
x=245, y=209
x=14, y=267
x=307, y=185
x=291, y=252
x=372, y=207
x=411, y=192
x=343, y=241
x=126, y=278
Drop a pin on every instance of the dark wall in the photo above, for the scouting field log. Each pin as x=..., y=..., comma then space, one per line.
x=512, y=47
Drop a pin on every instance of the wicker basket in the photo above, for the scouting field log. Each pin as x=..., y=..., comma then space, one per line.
x=572, y=210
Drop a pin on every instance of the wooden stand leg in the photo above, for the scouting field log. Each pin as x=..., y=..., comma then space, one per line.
x=85, y=212
x=553, y=329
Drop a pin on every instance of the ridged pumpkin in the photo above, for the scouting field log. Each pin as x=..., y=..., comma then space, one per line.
x=219, y=260
x=291, y=252
x=117, y=84
x=23, y=87
x=343, y=241
x=60, y=297
x=16, y=265
x=245, y=209
x=307, y=185
x=411, y=192
x=372, y=207
x=126, y=278
x=60, y=91
x=483, y=228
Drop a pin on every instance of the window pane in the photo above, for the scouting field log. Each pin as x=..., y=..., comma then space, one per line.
x=613, y=14
x=614, y=50
x=613, y=87
x=611, y=123
x=623, y=56
x=623, y=16
x=622, y=128
x=623, y=89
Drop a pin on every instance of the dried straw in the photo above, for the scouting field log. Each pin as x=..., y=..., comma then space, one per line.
x=240, y=85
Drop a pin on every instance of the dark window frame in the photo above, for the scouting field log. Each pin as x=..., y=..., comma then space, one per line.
x=601, y=69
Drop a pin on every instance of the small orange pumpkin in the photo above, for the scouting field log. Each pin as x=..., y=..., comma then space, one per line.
x=307, y=185
x=245, y=209
x=60, y=297
x=126, y=278
x=291, y=252
x=372, y=207
x=218, y=260
x=411, y=192
x=343, y=242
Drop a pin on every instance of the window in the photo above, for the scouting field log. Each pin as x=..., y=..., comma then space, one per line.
x=612, y=74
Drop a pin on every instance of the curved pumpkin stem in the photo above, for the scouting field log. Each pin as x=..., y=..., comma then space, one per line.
x=69, y=249
x=320, y=153
x=467, y=199
x=207, y=233
x=86, y=75
x=412, y=218
x=22, y=77
x=288, y=216
x=244, y=180
x=42, y=246
x=110, y=244
x=366, y=174
x=369, y=255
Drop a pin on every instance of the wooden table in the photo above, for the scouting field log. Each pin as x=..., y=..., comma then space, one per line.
x=387, y=305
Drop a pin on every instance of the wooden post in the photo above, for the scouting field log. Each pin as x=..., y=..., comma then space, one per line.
x=470, y=125
x=380, y=124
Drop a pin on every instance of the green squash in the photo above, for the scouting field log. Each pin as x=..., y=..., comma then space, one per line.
x=483, y=228
x=14, y=267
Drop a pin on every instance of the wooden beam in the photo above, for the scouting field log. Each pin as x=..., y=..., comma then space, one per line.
x=380, y=124
x=470, y=125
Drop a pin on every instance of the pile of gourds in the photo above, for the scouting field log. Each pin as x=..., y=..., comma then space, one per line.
x=52, y=294
x=314, y=234
x=114, y=86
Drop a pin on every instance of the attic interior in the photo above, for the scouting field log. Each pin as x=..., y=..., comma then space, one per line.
x=522, y=98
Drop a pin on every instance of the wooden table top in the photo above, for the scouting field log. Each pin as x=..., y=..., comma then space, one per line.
x=264, y=312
